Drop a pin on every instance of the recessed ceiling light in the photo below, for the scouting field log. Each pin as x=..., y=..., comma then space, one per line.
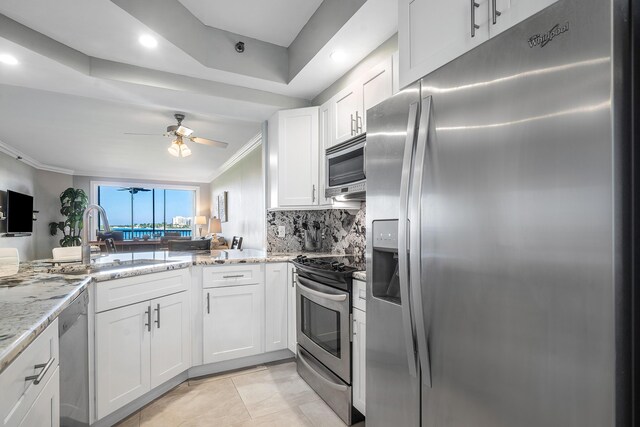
x=338, y=55
x=8, y=59
x=148, y=41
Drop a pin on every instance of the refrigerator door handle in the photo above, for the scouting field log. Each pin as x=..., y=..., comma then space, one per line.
x=403, y=261
x=416, y=274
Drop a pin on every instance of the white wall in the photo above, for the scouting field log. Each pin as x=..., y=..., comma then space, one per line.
x=45, y=187
x=244, y=183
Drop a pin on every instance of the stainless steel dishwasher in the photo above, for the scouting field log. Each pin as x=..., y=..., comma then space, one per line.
x=74, y=363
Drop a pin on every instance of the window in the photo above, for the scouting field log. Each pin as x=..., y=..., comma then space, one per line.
x=138, y=211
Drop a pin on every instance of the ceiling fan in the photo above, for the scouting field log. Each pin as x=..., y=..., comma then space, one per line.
x=134, y=190
x=179, y=133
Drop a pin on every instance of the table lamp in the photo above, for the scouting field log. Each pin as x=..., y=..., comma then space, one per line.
x=200, y=221
x=215, y=226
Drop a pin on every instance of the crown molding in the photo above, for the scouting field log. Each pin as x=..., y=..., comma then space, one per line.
x=18, y=155
x=253, y=143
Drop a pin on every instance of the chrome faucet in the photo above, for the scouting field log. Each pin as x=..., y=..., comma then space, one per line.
x=86, y=247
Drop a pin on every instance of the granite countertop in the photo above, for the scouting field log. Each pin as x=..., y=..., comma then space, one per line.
x=34, y=297
x=234, y=256
x=29, y=302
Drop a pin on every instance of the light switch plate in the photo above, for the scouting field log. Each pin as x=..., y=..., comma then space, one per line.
x=281, y=231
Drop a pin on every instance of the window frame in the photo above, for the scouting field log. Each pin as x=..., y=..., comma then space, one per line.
x=93, y=197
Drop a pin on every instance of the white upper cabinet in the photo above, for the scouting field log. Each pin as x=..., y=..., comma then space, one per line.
x=377, y=86
x=507, y=13
x=348, y=108
x=294, y=158
x=434, y=32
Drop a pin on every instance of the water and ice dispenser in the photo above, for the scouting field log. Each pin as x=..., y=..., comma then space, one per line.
x=385, y=283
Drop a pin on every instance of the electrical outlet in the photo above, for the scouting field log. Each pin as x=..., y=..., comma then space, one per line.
x=281, y=231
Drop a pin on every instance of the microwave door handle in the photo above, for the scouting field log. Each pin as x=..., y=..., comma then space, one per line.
x=417, y=276
x=403, y=262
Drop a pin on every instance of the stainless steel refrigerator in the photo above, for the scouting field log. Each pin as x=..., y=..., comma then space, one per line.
x=499, y=248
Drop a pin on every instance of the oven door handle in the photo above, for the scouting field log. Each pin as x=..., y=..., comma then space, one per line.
x=331, y=384
x=332, y=297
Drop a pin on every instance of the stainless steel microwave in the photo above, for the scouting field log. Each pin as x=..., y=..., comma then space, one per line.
x=346, y=175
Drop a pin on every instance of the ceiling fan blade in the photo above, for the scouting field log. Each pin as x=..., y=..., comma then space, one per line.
x=209, y=142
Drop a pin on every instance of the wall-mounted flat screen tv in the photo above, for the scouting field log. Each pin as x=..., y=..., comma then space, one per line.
x=19, y=212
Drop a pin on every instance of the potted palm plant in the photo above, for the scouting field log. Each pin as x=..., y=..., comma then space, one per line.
x=73, y=202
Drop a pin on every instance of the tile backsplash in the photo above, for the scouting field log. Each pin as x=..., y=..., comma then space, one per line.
x=339, y=230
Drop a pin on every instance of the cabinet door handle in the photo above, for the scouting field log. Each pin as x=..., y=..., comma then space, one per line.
x=235, y=276
x=45, y=367
x=352, y=125
x=474, y=26
x=293, y=278
x=496, y=13
x=353, y=327
x=208, y=303
x=157, y=309
x=148, y=314
x=358, y=126
x=313, y=193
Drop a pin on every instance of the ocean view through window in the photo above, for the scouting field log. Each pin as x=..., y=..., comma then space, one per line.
x=139, y=211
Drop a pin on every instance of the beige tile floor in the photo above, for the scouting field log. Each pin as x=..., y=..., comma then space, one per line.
x=271, y=395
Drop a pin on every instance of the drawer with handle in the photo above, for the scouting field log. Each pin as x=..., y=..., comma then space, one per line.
x=232, y=275
x=360, y=294
x=25, y=378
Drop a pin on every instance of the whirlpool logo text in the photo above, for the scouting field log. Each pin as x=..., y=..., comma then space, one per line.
x=543, y=39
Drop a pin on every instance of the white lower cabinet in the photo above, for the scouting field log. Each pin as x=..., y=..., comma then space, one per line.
x=170, y=337
x=359, y=359
x=276, y=282
x=233, y=322
x=139, y=347
x=30, y=385
x=122, y=353
x=291, y=309
x=45, y=411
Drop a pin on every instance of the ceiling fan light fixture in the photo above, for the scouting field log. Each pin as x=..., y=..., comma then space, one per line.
x=184, y=150
x=174, y=149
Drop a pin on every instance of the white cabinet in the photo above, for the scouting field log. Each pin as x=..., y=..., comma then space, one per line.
x=349, y=107
x=45, y=411
x=376, y=86
x=170, y=337
x=359, y=359
x=139, y=347
x=233, y=322
x=346, y=110
x=276, y=283
x=122, y=356
x=291, y=309
x=326, y=129
x=293, y=158
x=32, y=402
x=432, y=33
x=508, y=13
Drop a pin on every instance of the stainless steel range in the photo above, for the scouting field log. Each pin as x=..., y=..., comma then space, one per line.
x=324, y=332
